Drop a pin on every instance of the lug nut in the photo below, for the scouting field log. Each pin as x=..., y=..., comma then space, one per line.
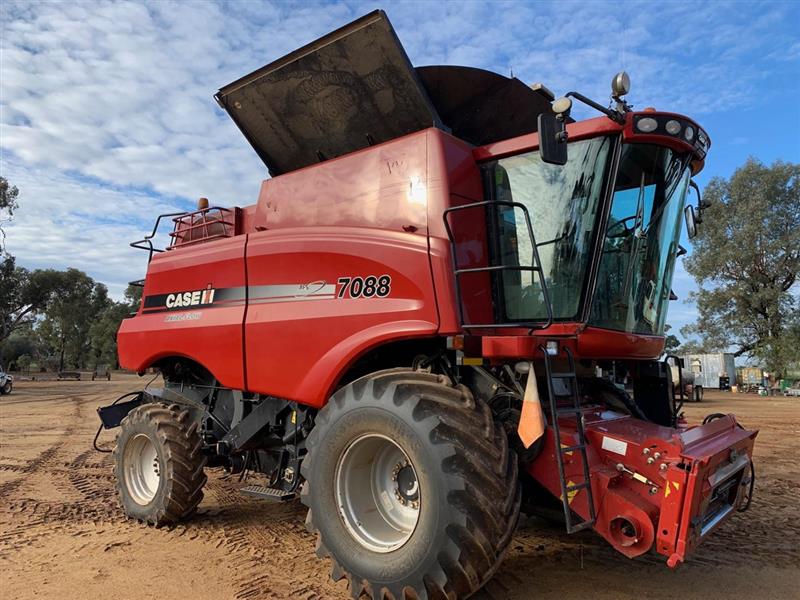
x=651, y=460
x=653, y=491
x=646, y=451
x=663, y=466
x=657, y=455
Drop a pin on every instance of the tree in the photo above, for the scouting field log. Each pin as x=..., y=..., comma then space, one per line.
x=133, y=296
x=746, y=262
x=15, y=346
x=24, y=294
x=8, y=204
x=69, y=316
x=671, y=344
x=103, y=332
x=692, y=347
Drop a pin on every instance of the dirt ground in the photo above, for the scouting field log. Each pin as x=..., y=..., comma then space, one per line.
x=62, y=535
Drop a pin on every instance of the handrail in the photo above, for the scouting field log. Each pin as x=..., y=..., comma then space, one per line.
x=185, y=223
x=531, y=325
x=148, y=239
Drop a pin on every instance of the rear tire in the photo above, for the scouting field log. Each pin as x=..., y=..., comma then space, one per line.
x=6, y=389
x=158, y=464
x=463, y=478
x=698, y=393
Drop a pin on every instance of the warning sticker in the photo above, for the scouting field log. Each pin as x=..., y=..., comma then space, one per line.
x=667, y=490
x=616, y=446
x=570, y=494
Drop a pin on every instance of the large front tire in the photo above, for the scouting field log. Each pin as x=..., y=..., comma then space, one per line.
x=411, y=487
x=158, y=464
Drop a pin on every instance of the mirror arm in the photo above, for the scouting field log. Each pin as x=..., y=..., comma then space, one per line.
x=611, y=114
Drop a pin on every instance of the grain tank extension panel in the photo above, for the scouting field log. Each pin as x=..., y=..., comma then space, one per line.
x=347, y=90
x=356, y=87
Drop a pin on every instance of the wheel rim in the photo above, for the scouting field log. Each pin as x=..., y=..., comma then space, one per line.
x=142, y=469
x=377, y=493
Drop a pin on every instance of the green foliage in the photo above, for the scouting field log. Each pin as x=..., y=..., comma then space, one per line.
x=746, y=262
x=133, y=296
x=19, y=344
x=692, y=347
x=103, y=334
x=24, y=294
x=69, y=316
x=8, y=204
x=24, y=362
x=671, y=344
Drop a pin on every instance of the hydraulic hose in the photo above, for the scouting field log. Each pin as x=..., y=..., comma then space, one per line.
x=99, y=429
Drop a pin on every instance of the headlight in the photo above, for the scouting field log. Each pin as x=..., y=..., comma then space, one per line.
x=689, y=133
x=646, y=125
x=673, y=127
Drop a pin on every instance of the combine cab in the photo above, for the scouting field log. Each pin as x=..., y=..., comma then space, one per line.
x=405, y=330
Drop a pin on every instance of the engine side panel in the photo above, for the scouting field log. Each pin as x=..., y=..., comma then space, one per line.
x=308, y=318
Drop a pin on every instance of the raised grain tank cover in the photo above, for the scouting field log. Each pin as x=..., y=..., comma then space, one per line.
x=356, y=87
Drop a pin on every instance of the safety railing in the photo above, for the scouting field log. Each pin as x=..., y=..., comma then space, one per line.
x=191, y=228
x=536, y=267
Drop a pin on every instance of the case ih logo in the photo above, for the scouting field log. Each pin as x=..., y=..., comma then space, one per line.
x=186, y=299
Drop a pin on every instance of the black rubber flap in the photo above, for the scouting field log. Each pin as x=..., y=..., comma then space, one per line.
x=481, y=106
x=349, y=89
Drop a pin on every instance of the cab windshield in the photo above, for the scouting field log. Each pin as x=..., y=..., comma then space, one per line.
x=563, y=203
x=641, y=241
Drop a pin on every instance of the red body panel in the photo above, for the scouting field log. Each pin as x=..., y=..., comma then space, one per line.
x=211, y=336
x=673, y=508
x=296, y=347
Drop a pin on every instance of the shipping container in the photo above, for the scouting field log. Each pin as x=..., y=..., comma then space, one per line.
x=708, y=369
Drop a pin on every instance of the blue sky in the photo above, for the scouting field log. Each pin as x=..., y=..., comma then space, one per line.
x=107, y=117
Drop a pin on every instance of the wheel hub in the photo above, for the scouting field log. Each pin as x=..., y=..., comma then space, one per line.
x=378, y=493
x=142, y=471
x=406, y=484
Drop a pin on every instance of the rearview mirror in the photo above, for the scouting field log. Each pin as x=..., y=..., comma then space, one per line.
x=553, y=133
x=552, y=139
x=691, y=221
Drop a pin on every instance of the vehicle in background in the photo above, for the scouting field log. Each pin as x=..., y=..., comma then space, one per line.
x=686, y=379
x=76, y=375
x=6, y=382
x=101, y=372
x=794, y=390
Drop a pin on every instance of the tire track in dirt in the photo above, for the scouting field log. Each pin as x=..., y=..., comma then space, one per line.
x=37, y=518
x=255, y=532
x=8, y=487
x=93, y=480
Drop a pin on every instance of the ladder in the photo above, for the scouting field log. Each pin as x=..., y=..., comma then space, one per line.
x=569, y=489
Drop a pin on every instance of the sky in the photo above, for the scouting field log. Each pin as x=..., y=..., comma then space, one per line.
x=107, y=116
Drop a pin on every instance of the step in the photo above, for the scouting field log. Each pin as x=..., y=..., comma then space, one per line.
x=580, y=526
x=580, y=486
x=564, y=375
x=566, y=449
x=267, y=493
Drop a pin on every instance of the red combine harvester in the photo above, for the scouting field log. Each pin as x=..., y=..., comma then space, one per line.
x=408, y=328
